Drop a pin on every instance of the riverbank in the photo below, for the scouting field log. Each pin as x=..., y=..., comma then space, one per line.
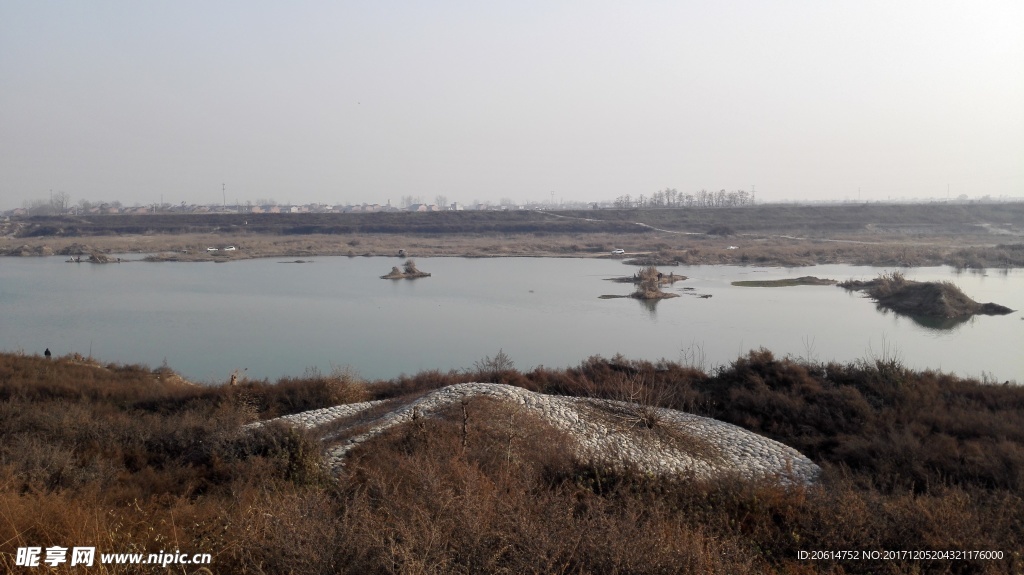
x=963, y=236
x=643, y=249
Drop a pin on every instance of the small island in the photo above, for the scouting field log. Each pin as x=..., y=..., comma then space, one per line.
x=647, y=273
x=94, y=258
x=408, y=272
x=787, y=282
x=928, y=299
x=648, y=281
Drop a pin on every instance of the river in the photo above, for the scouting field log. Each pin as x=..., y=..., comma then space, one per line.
x=269, y=319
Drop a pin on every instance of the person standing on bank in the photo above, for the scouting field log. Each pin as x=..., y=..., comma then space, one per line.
x=47, y=353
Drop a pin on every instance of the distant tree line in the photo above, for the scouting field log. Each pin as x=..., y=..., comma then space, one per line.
x=673, y=198
x=57, y=204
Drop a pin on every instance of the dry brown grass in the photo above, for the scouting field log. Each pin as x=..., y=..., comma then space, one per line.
x=114, y=457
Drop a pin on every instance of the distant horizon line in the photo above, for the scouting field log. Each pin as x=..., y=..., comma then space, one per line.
x=502, y=205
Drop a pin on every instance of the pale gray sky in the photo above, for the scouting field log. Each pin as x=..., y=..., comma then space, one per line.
x=346, y=102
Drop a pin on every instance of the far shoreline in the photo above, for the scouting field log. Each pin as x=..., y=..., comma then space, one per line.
x=646, y=249
x=970, y=236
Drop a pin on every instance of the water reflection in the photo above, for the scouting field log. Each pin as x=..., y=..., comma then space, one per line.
x=651, y=305
x=943, y=324
x=940, y=323
x=974, y=271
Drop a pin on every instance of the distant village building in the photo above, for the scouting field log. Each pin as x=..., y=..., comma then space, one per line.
x=363, y=209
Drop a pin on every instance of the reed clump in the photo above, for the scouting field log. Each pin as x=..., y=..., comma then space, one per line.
x=649, y=281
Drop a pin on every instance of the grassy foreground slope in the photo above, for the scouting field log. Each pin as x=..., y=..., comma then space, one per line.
x=126, y=458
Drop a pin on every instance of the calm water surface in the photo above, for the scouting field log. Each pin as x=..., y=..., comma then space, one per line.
x=276, y=319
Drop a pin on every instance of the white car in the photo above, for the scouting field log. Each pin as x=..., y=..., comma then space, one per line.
x=212, y=249
x=230, y=249
x=618, y=252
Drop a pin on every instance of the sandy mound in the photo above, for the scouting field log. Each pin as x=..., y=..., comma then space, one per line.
x=652, y=440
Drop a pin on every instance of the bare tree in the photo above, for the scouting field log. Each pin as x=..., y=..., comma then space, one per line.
x=38, y=207
x=490, y=369
x=408, y=201
x=60, y=202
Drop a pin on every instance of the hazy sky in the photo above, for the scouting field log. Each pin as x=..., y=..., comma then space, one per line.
x=350, y=102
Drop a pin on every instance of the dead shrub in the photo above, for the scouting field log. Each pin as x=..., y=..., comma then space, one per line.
x=494, y=369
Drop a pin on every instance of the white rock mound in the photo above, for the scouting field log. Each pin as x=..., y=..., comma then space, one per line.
x=651, y=440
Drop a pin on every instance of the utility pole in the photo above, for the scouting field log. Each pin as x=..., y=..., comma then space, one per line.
x=224, y=196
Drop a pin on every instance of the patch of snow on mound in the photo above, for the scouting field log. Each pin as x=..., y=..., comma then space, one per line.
x=652, y=440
